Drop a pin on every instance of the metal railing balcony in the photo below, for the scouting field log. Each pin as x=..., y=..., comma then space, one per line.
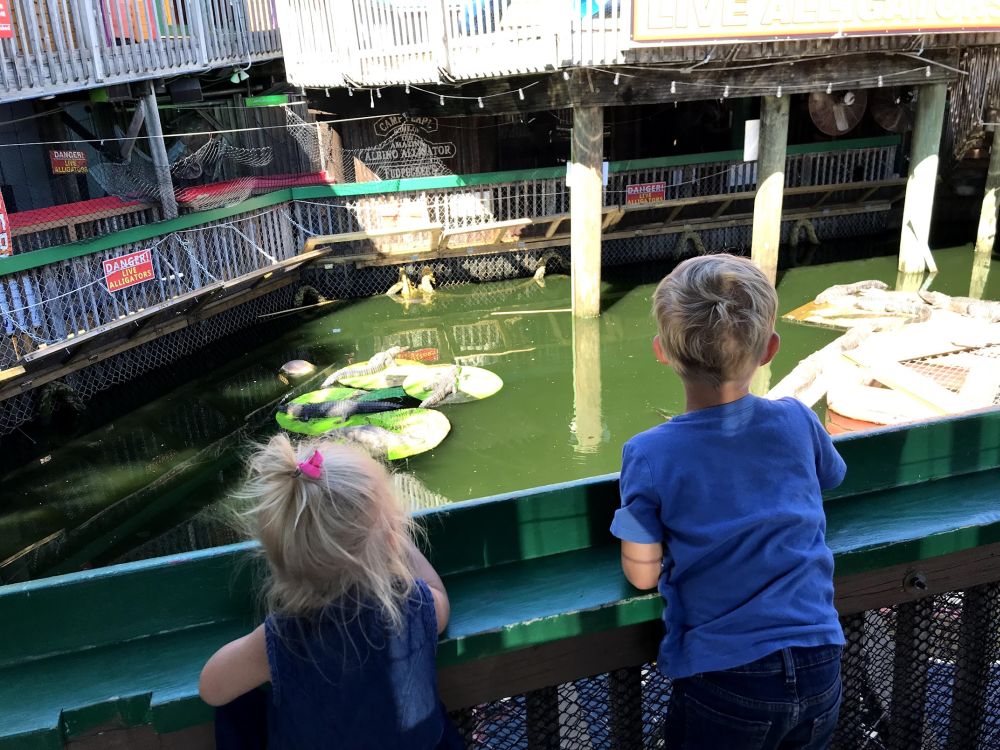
x=386, y=42
x=67, y=45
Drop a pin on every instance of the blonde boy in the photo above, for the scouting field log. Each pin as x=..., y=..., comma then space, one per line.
x=722, y=508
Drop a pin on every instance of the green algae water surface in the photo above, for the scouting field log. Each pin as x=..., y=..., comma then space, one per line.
x=574, y=392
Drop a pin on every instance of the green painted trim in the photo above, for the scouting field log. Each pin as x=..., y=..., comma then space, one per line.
x=268, y=100
x=57, y=253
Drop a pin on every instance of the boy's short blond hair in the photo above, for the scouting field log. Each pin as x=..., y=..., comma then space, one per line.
x=715, y=315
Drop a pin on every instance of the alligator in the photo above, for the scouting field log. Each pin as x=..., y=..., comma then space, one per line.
x=377, y=363
x=427, y=281
x=916, y=312
x=974, y=308
x=841, y=290
x=371, y=438
x=403, y=286
x=341, y=408
x=445, y=385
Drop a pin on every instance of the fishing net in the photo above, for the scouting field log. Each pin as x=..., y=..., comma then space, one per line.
x=924, y=675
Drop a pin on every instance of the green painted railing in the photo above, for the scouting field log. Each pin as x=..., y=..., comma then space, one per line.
x=58, y=253
x=533, y=570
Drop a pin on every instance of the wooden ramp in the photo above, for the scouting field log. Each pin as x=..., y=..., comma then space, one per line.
x=418, y=240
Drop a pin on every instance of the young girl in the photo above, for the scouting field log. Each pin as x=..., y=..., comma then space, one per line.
x=356, y=609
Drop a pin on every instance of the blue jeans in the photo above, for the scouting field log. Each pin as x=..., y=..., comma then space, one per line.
x=789, y=700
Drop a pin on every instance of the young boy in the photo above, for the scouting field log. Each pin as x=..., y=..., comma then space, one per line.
x=721, y=506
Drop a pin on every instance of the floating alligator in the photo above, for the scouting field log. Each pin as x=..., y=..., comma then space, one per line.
x=343, y=409
x=974, y=308
x=445, y=384
x=377, y=363
x=403, y=286
x=844, y=290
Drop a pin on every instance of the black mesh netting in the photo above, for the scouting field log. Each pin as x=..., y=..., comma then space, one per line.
x=923, y=675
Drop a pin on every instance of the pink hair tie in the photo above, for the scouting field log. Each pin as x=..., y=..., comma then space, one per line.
x=313, y=468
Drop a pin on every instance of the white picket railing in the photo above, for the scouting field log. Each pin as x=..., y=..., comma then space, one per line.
x=369, y=43
x=68, y=45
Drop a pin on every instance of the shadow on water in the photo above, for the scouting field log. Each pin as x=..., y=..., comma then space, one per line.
x=149, y=468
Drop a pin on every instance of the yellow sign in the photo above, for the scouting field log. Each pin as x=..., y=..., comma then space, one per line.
x=720, y=21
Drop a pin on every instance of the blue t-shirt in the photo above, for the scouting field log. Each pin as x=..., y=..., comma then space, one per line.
x=733, y=493
x=347, y=681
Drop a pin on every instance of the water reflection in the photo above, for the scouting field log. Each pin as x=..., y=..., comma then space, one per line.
x=587, y=425
x=980, y=274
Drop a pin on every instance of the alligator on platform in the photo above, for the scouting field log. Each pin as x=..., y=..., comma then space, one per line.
x=343, y=408
x=974, y=308
x=377, y=363
x=445, y=384
x=843, y=290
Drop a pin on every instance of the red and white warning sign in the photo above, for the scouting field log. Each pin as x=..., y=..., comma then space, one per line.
x=648, y=192
x=5, y=244
x=129, y=270
x=6, y=26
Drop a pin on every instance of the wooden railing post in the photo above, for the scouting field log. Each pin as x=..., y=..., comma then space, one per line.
x=198, y=23
x=437, y=21
x=158, y=149
x=625, y=696
x=542, y=709
x=90, y=14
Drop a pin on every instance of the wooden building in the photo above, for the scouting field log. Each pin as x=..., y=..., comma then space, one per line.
x=591, y=64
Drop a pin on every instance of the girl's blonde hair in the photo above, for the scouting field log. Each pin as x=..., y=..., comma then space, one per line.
x=341, y=537
x=715, y=315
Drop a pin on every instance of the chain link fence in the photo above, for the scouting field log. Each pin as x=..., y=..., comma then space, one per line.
x=924, y=675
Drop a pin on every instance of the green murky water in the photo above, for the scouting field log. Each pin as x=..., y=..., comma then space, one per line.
x=574, y=392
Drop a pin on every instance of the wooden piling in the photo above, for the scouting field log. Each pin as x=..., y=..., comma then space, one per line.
x=770, y=184
x=988, y=216
x=923, y=177
x=588, y=426
x=586, y=199
x=161, y=163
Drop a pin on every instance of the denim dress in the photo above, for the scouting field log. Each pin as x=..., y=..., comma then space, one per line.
x=347, y=681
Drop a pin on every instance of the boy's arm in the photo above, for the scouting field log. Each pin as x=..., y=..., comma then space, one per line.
x=637, y=523
x=830, y=467
x=642, y=563
x=235, y=669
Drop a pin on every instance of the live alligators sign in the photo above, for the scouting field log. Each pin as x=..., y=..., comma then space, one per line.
x=129, y=270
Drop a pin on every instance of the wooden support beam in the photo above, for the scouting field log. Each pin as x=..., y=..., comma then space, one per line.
x=770, y=184
x=919, y=203
x=611, y=218
x=986, y=236
x=586, y=203
x=675, y=213
x=554, y=226
x=795, y=73
x=723, y=207
x=161, y=163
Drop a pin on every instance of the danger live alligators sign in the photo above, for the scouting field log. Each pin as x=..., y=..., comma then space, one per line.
x=5, y=244
x=68, y=162
x=128, y=270
x=6, y=26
